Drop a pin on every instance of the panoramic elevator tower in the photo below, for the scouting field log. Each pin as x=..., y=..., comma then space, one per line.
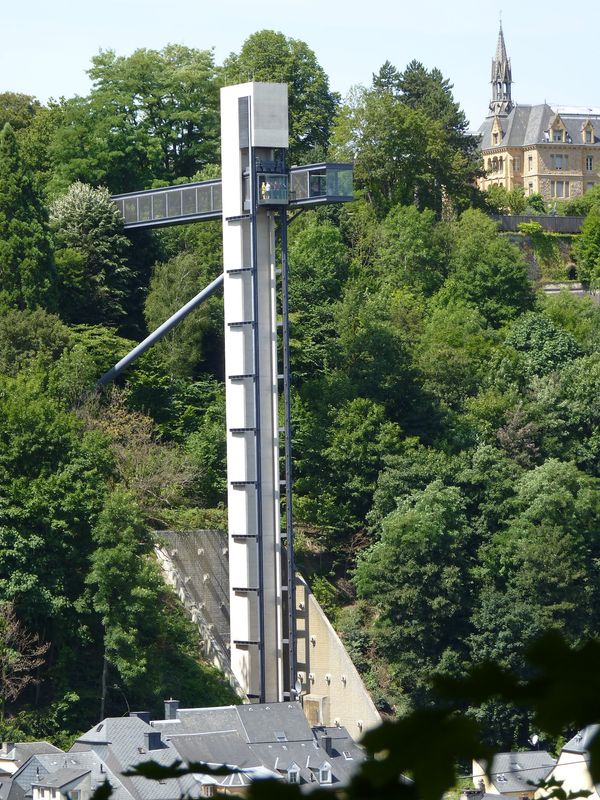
x=254, y=125
x=252, y=198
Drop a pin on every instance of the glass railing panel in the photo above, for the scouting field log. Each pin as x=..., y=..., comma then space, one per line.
x=272, y=188
x=188, y=201
x=339, y=181
x=217, y=197
x=130, y=210
x=299, y=185
x=174, y=203
x=159, y=205
x=145, y=208
x=317, y=184
x=204, y=199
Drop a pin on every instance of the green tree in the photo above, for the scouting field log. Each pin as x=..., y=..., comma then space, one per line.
x=587, y=247
x=151, y=116
x=206, y=448
x=496, y=199
x=148, y=647
x=375, y=340
x=413, y=251
x=173, y=284
x=388, y=79
x=30, y=337
x=417, y=577
x=579, y=316
x=552, y=533
x=453, y=352
x=487, y=270
x=94, y=276
x=18, y=110
x=535, y=204
x=396, y=150
x=569, y=412
x=499, y=200
x=547, y=347
x=318, y=264
x=27, y=278
x=409, y=141
x=432, y=93
x=124, y=582
x=582, y=205
x=361, y=439
x=270, y=56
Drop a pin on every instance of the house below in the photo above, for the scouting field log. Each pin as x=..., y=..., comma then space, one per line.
x=255, y=741
x=572, y=768
x=513, y=774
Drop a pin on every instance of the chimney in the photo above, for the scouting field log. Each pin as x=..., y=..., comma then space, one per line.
x=143, y=715
x=171, y=709
x=326, y=744
x=152, y=740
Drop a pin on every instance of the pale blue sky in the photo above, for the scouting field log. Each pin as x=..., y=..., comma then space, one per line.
x=47, y=44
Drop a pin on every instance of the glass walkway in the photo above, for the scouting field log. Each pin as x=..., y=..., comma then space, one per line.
x=308, y=185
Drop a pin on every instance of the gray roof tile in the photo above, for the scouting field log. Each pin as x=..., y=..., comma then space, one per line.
x=517, y=772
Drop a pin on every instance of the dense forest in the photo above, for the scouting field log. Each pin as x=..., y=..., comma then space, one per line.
x=446, y=416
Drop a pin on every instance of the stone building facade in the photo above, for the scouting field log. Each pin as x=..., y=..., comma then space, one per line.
x=553, y=151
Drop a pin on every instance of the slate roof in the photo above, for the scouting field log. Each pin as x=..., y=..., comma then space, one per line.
x=121, y=744
x=21, y=751
x=261, y=736
x=51, y=769
x=581, y=741
x=516, y=772
x=526, y=125
x=260, y=740
x=62, y=777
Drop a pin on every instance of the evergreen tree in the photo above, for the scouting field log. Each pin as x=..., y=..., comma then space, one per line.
x=27, y=278
x=94, y=276
x=387, y=79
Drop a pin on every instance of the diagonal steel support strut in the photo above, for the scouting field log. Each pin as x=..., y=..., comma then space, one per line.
x=163, y=329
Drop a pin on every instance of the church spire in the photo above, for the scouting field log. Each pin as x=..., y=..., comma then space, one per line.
x=501, y=102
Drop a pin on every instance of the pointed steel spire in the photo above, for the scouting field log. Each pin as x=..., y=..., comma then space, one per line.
x=501, y=102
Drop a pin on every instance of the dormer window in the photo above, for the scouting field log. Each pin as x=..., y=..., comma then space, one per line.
x=587, y=132
x=497, y=132
x=558, y=130
x=325, y=772
x=293, y=773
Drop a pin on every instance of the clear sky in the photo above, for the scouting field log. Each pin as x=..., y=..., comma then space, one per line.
x=553, y=46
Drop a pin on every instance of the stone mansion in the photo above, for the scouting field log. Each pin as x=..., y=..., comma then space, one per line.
x=551, y=151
